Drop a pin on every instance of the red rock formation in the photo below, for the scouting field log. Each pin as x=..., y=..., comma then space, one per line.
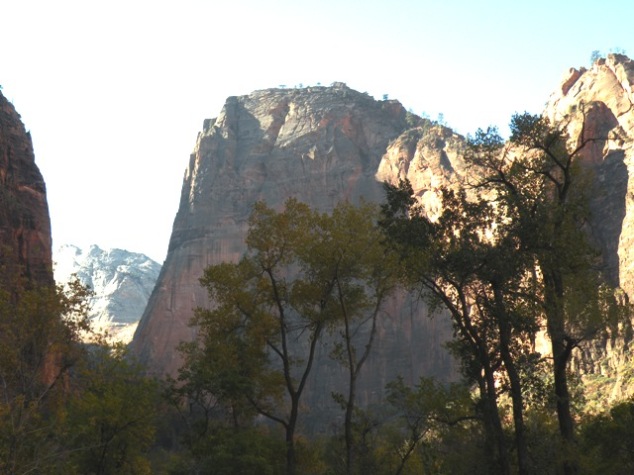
x=25, y=228
x=321, y=145
x=324, y=145
x=598, y=107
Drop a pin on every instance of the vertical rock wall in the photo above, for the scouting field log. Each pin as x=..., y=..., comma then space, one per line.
x=25, y=228
x=597, y=104
x=321, y=145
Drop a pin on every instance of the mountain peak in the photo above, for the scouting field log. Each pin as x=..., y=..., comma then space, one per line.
x=319, y=144
x=122, y=282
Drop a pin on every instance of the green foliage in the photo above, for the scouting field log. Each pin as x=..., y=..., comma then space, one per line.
x=224, y=451
x=423, y=416
x=304, y=273
x=428, y=428
x=111, y=414
x=64, y=409
x=607, y=441
x=39, y=328
x=508, y=256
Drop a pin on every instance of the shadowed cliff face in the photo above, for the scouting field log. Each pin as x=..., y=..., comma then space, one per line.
x=321, y=145
x=25, y=228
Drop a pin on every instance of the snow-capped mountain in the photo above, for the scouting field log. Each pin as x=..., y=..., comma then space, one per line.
x=122, y=282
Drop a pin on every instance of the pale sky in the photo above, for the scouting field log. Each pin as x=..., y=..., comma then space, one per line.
x=115, y=92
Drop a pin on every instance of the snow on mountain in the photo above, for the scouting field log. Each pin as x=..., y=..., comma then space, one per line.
x=122, y=282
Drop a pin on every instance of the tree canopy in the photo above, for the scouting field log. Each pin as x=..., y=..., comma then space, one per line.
x=509, y=256
x=304, y=274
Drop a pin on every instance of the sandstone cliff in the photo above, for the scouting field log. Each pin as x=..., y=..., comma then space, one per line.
x=326, y=144
x=321, y=145
x=25, y=228
x=598, y=103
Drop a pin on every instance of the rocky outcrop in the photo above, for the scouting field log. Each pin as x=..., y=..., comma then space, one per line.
x=121, y=282
x=430, y=156
x=25, y=228
x=321, y=145
x=597, y=105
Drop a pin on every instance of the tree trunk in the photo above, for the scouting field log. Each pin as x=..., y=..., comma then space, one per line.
x=291, y=461
x=564, y=415
x=561, y=355
x=516, y=385
x=493, y=415
x=348, y=427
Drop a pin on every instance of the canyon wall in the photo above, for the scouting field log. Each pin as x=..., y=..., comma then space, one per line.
x=327, y=144
x=321, y=145
x=597, y=106
x=25, y=227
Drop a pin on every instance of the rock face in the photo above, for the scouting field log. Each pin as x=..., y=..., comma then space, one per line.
x=122, y=282
x=429, y=156
x=25, y=227
x=321, y=145
x=598, y=103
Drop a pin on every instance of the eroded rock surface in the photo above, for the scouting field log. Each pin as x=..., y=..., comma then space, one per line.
x=121, y=282
x=327, y=144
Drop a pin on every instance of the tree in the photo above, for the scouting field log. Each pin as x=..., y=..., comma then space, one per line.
x=507, y=257
x=542, y=184
x=303, y=273
x=111, y=413
x=608, y=440
x=423, y=413
x=39, y=333
x=450, y=259
x=351, y=256
x=595, y=56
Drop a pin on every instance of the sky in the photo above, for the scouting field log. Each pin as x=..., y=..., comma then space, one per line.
x=114, y=93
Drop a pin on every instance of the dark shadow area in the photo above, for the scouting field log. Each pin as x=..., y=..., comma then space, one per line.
x=608, y=210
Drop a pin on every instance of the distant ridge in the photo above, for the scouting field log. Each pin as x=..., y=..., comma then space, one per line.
x=122, y=282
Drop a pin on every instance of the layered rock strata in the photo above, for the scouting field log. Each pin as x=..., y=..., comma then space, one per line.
x=323, y=145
